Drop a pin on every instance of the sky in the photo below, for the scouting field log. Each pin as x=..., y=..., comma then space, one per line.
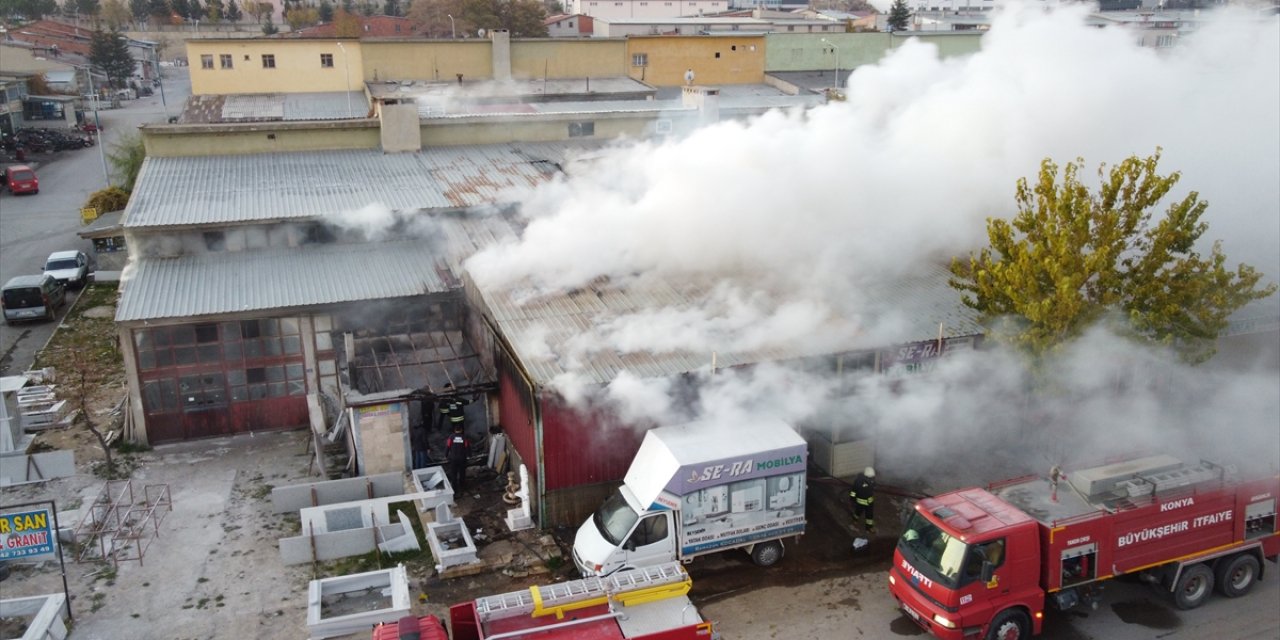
x=797, y=215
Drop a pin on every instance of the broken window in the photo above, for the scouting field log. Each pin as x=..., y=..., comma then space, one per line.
x=215, y=241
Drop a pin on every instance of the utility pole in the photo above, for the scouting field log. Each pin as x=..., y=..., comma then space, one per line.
x=97, y=124
x=155, y=55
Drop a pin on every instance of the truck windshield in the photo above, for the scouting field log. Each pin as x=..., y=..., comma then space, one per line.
x=615, y=518
x=932, y=550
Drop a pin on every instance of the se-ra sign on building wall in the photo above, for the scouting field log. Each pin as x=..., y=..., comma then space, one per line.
x=27, y=533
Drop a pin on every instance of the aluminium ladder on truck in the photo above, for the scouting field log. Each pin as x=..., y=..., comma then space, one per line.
x=628, y=587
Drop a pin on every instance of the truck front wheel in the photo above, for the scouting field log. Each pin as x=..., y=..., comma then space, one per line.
x=1010, y=624
x=1236, y=575
x=767, y=554
x=1193, y=587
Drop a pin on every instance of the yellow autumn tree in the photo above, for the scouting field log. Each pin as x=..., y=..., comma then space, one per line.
x=1071, y=258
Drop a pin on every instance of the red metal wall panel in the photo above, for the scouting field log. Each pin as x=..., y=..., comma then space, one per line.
x=270, y=415
x=516, y=413
x=584, y=448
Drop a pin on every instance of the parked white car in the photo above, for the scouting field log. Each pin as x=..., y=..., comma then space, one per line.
x=71, y=268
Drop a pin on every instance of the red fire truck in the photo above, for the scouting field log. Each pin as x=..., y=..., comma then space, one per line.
x=981, y=563
x=641, y=604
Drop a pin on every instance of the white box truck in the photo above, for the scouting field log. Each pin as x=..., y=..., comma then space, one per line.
x=699, y=488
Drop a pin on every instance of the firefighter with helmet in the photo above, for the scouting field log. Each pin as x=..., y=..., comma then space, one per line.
x=863, y=496
x=456, y=450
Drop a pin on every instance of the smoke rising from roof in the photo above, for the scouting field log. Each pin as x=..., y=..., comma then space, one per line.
x=924, y=150
x=797, y=213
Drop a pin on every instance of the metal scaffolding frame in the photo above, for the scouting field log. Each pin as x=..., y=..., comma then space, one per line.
x=120, y=526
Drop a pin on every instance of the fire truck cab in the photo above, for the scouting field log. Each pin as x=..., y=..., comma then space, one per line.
x=984, y=562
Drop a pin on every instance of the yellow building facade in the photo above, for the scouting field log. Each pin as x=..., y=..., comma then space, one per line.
x=662, y=61
x=273, y=65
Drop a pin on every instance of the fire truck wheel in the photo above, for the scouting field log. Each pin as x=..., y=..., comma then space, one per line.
x=1010, y=624
x=1193, y=587
x=1236, y=575
x=767, y=554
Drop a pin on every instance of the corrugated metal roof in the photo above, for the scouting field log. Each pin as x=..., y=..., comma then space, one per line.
x=331, y=105
x=268, y=106
x=920, y=304
x=219, y=190
x=275, y=279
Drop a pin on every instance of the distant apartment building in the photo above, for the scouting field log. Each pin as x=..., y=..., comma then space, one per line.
x=646, y=8
x=570, y=26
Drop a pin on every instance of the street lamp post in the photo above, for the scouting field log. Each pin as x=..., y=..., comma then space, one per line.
x=160, y=80
x=834, y=48
x=347, y=67
x=453, y=29
x=97, y=124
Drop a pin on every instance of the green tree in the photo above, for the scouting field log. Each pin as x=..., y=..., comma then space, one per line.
x=899, y=16
x=301, y=17
x=87, y=361
x=326, y=12
x=431, y=18
x=86, y=7
x=346, y=25
x=523, y=18
x=116, y=14
x=391, y=8
x=109, y=52
x=126, y=158
x=259, y=10
x=269, y=27
x=29, y=9
x=1071, y=258
x=141, y=10
x=213, y=10
x=233, y=11
x=159, y=11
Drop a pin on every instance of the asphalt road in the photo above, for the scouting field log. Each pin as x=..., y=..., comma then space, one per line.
x=33, y=226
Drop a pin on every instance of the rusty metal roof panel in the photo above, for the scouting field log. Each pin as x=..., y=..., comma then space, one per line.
x=545, y=328
x=276, y=279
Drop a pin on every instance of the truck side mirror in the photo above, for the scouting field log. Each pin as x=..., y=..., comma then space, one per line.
x=629, y=545
x=988, y=570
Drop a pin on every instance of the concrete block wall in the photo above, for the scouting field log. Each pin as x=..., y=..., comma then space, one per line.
x=382, y=438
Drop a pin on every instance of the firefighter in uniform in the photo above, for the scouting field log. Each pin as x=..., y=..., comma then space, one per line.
x=452, y=409
x=456, y=450
x=863, y=496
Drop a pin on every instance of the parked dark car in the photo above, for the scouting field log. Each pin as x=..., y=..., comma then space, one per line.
x=32, y=298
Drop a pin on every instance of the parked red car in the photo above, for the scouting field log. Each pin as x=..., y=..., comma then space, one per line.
x=20, y=178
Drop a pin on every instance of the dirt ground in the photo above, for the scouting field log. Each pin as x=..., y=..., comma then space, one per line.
x=216, y=551
x=213, y=570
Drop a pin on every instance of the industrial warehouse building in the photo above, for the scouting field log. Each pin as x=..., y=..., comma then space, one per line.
x=260, y=295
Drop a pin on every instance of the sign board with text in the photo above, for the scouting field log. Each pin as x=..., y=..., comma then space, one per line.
x=25, y=533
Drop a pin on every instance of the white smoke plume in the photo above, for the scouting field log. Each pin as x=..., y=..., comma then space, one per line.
x=796, y=214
